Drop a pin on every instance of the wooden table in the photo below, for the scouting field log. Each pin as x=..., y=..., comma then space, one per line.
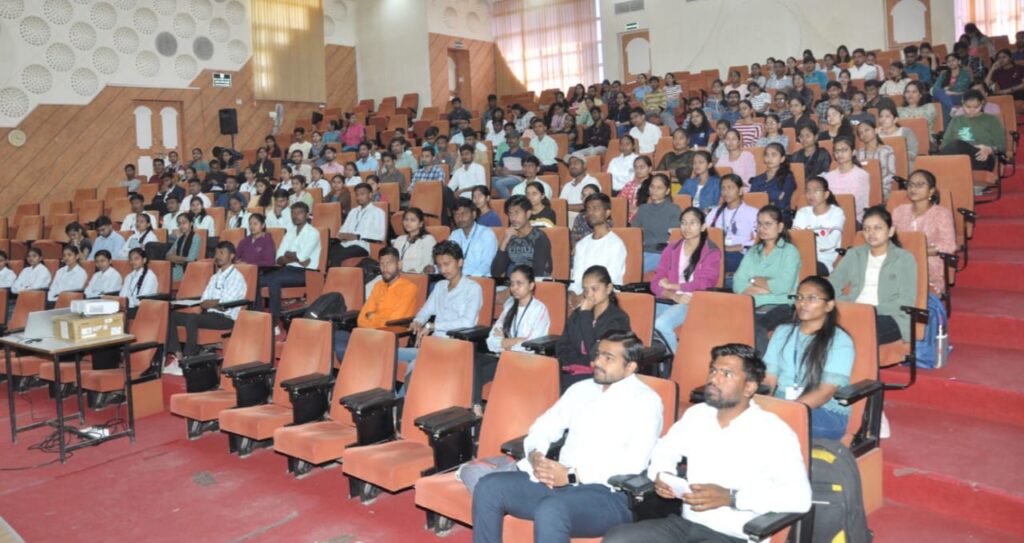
x=64, y=351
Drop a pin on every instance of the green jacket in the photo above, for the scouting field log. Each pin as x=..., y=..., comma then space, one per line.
x=897, y=282
x=984, y=129
x=781, y=268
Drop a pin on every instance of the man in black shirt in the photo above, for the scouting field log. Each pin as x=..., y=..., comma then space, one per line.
x=523, y=244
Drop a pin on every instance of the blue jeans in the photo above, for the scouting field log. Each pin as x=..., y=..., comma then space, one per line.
x=827, y=424
x=341, y=338
x=503, y=185
x=947, y=101
x=651, y=261
x=667, y=318
x=407, y=354
x=557, y=514
x=288, y=276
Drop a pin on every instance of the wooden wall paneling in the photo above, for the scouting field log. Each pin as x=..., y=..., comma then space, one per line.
x=72, y=147
x=481, y=67
x=506, y=82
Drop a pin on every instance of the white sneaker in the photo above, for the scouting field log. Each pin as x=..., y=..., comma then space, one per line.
x=883, y=433
x=173, y=368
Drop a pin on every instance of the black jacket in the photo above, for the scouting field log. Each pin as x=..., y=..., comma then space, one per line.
x=581, y=333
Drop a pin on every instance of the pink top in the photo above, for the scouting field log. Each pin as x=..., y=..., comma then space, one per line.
x=749, y=133
x=938, y=227
x=355, y=133
x=744, y=166
x=856, y=182
x=629, y=192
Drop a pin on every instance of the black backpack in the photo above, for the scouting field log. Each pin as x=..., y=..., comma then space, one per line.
x=836, y=494
x=331, y=303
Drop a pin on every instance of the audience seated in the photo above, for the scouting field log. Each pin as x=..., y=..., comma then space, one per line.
x=637, y=191
x=881, y=274
x=364, y=224
x=613, y=421
x=704, y=185
x=477, y=243
x=621, y=167
x=523, y=244
x=69, y=277
x=849, y=177
x=776, y=181
x=715, y=438
x=600, y=248
x=482, y=201
x=875, y=149
x=769, y=272
x=140, y=281
x=823, y=216
x=106, y=238
x=736, y=218
x=105, y=280
x=257, y=247
x=816, y=160
x=393, y=298
x=924, y=214
x=690, y=264
x=976, y=134
x=656, y=218
x=741, y=162
x=77, y=239
x=299, y=251
x=183, y=248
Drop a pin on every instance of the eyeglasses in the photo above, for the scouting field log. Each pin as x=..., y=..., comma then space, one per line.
x=812, y=298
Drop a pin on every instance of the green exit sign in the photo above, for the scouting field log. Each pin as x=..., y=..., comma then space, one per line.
x=632, y=26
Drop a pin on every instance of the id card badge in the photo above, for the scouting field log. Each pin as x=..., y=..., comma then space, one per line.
x=793, y=393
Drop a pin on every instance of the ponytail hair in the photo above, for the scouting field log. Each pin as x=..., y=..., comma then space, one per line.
x=783, y=171
x=145, y=267
x=694, y=260
x=185, y=242
x=815, y=356
x=601, y=274
x=510, y=317
x=882, y=213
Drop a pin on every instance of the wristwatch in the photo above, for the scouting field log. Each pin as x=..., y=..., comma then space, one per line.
x=732, y=498
x=573, y=480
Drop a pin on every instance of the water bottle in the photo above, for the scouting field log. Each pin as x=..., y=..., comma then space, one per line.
x=941, y=347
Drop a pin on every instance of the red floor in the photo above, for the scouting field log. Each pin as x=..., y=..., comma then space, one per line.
x=952, y=467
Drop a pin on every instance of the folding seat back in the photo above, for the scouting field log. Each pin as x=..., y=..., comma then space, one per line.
x=27, y=302
x=858, y=320
x=798, y=417
x=498, y=206
x=162, y=269
x=552, y=294
x=193, y=283
x=51, y=250
x=874, y=169
x=89, y=210
x=251, y=340
x=80, y=195
x=440, y=233
x=952, y=173
x=443, y=378
x=759, y=165
x=118, y=209
x=30, y=228
x=57, y=208
x=757, y=200
x=4, y=234
x=633, y=238
x=327, y=216
x=111, y=193
x=349, y=283
x=668, y=391
x=24, y=210
x=804, y=241
x=56, y=223
x=640, y=308
x=370, y=362
x=619, y=212
x=553, y=181
x=64, y=299
x=430, y=113
x=524, y=387
x=148, y=191
x=52, y=264
x=426, y=195
x=277, y=234
x=846, y=202
x=150, y=324
x=219, y=215
x=232, y=235
x=899, y=151
x=487, y=308
x=920, y=128
x=682, y=200
x=558, y=236
x=561, y=209
x=714, y=318
x=307, y=350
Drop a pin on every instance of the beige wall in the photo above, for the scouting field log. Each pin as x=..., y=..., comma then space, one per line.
x=701, y=35
x=392, y=49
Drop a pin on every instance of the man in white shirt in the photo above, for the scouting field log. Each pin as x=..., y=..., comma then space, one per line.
x=544, y=147
x=137, y=202
x=646, y=134
x=469, y=174
x=280, y=216
x=300, y=143
x=729, y=485
x=195, y=190
x=779, y=80
x=299, y=251
x=621, y=167
x=572, y=190
x=227, y=285
x=531, y=166
x=331, y=166
x=613, y=421
x=602, y=248
x=364, y=223
x=860, y=69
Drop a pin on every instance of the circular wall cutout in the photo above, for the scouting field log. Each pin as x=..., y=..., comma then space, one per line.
x=82, y=36
x=165, y=7
x=126, y=40
x=103, y=16
x=147, y=63
x=235, y=12
x=202, y=48
x=220, y=30
x=201, y=9
x=105, y=60
x=13, y=103
x=166, y=44
x=60, y=57
x=36, y=79
x=474, y=23
x=11, y=9
x=238, y=52
x=145, y=21
x=328, y=26
x=58, y=12
x=34, y=31
x=184, y=25
x=84, y=82
x=186, y=67
x=450, y=18
x=125, y=4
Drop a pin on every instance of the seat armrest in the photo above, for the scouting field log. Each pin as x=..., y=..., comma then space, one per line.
x=855, y=392
x=636, y=287
x=473, y=333
x=515, y=448
x=164, y=297
x=249, y=369
x=447, y=421
x=501, y=281
x=631, y=483
x=841, y=251
x=307, y=382
x=236, y=303
x=400, y=322
x=542, y=345
x=136, y=347
x=200, y=360
x=342, y=317
x=967, y=213
x=294, y=312
x=666, y=301
x=917, y=314
x=111, y=293
x=368, y=399
x=764, y=526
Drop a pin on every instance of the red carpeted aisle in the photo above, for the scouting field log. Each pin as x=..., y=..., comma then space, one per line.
x=952, y=467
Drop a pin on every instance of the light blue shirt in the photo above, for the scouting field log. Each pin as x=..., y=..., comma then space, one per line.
x=784, y=355
x=112, y=243
x=367, y=165
x=478, y=249
x=453, y=309
x=819, y=78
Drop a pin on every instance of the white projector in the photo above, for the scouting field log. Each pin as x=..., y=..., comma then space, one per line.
x=91, y=308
